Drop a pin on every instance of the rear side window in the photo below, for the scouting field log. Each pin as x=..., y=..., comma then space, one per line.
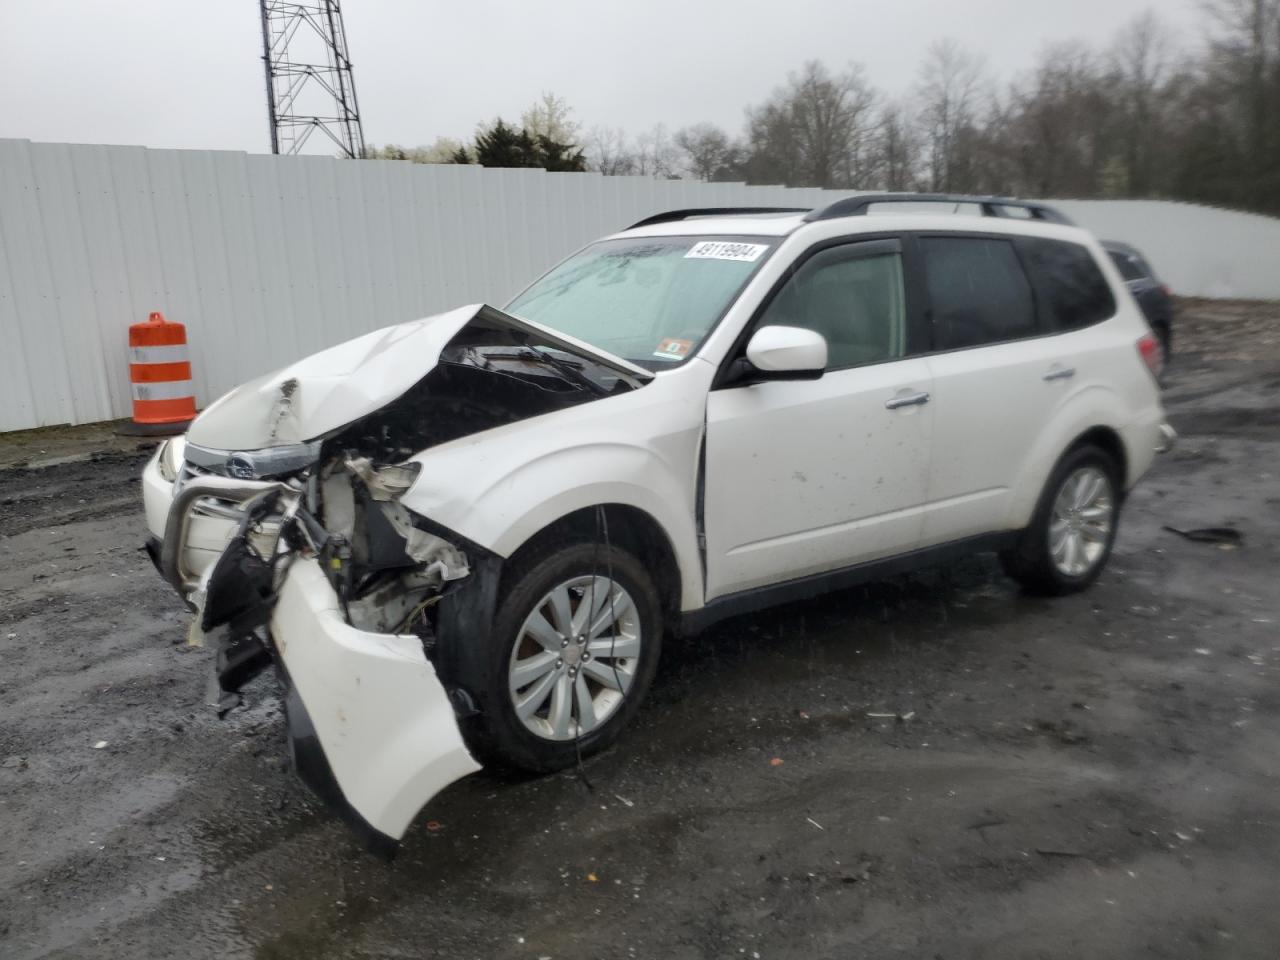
x=978, y=291
x=1072, y=290
x=1124, y=263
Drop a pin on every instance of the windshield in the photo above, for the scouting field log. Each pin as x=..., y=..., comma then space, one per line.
x=649, y=300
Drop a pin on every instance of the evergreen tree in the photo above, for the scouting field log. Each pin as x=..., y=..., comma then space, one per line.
x=560, y=157
x=500, y=146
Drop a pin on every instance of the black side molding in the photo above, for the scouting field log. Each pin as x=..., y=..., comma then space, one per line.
x=803, y=588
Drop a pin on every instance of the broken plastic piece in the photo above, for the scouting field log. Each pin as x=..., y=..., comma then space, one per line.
x=384, y=483
x=1209, y=534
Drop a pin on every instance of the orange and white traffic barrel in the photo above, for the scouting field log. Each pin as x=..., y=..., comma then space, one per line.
x=164, y=399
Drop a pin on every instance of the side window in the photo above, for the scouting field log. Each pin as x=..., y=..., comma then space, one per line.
x=1128, y=269
x=978, y=291
x=1072, y=289
x=853, y=297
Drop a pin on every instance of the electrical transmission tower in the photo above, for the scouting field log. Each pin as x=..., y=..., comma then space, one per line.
x=309, y=81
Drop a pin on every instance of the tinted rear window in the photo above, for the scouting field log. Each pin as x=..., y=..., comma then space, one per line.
x=977, y=290
x=1124, y=263
x=1072, y=290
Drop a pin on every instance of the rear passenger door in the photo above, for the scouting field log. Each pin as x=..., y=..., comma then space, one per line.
x=1000, y=365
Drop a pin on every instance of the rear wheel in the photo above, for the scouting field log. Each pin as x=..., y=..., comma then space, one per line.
x=574, y=648
x=1070, y=536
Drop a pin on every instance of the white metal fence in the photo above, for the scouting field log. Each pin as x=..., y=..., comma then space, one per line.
x=266, y=259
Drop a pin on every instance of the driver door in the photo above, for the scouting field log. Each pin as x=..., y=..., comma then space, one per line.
x=804, y=477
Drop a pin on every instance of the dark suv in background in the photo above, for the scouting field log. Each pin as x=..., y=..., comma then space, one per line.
x=1152, y=295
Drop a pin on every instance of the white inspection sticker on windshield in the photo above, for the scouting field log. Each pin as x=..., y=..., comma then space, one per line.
x=726, y=250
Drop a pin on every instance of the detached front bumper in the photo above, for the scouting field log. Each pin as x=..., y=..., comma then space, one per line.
x=371, y=728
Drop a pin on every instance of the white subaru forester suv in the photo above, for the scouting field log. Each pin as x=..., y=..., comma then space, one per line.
x=465, y=539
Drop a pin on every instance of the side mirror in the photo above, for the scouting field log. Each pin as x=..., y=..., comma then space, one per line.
x=786, y=353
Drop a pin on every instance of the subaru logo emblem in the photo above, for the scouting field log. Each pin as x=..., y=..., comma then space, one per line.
x=240, y=466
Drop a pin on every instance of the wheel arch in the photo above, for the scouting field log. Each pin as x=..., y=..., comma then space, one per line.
x=515, y=491
x=623, y=525
x=1089, y=418
x=1109, y=440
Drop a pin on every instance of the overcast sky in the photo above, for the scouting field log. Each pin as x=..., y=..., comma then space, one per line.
x=181, y=73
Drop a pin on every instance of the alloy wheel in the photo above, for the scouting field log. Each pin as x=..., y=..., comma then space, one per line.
x=574, y=658
x=1080, y=526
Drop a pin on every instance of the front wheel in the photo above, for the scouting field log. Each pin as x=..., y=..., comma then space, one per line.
x=574, y=648
x=1069, y=539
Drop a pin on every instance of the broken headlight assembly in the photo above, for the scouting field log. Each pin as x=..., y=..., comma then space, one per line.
x=169, y=460
x=386, y=569
x=384, y=483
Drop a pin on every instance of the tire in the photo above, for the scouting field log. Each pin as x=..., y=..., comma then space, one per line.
x=497, y=733
x=1164, y=334
x=1032, y=561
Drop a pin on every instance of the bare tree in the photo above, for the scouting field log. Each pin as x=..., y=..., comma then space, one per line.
x=1141, y=60
x=609, y=152
x=656, y=155
x=1139, y=117
x=816, y=131
x=707, y=150
x=896, y=152
x=953, y=92
x=1061, y=125
x=550, y=116
x=1245, y=66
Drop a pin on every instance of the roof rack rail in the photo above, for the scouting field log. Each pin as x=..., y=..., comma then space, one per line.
x=990, y=206
x=672, y=216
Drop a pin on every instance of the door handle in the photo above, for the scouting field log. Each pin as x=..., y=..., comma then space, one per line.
x=906, y=400
x=1057, y=372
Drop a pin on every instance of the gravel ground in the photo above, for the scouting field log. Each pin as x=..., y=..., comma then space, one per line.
x=1090, y=776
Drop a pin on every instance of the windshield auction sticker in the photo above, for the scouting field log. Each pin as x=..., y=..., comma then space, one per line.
x=726, y=250
x=673, y=349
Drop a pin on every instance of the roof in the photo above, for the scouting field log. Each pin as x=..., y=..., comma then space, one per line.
x=781, y=225
x=755, y=225
x=864, y=213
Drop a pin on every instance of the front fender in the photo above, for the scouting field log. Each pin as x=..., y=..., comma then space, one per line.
x=503, y=508
x=639, y=449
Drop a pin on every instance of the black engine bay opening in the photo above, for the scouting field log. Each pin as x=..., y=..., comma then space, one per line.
x=489, y=375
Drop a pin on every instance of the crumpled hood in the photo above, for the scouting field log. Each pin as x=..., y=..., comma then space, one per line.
x=334, y=387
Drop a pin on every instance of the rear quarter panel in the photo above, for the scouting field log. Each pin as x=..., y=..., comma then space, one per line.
x=1112, y=389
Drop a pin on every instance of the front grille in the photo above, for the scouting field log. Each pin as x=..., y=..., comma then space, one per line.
x=203, y=462
x=189, y=471
x=261, y=464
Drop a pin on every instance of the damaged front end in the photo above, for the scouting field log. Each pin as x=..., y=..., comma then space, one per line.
x=343, y=606
x=298, y=552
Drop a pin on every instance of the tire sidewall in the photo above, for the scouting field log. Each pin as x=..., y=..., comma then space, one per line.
x=504, y=737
